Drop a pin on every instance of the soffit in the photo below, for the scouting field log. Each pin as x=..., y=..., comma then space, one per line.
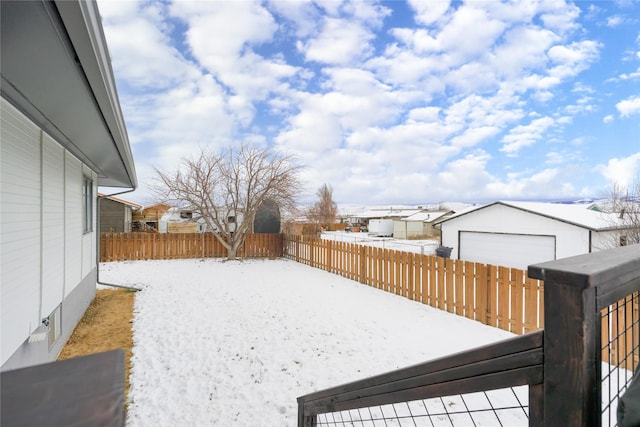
x=55, y=69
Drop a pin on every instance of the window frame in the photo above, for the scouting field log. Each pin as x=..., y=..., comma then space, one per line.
x=87, y=204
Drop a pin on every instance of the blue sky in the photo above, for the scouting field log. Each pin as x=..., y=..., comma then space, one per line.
x=389, y=102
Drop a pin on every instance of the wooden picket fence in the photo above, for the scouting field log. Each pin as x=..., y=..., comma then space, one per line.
x=502, y=297
x=497, y=296
x=145, y=246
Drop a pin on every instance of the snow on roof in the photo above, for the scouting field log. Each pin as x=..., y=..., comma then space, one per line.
x=119, y=200
x=576, y=214
x=176, y=215
x=426, y=216
x=384, y=213
x=454, y=206
x=395, y=210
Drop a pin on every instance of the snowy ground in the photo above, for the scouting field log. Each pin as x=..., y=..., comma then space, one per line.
x=235, y=343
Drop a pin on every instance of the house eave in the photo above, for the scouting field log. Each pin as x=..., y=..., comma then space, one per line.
x=534, y=212
x=56, y=70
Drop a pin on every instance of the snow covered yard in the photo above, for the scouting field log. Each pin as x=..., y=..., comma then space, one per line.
x=235, y=343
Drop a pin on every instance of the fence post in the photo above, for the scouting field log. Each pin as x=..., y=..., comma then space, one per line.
x=305, y=420
x=363, y=265
x=572, y=335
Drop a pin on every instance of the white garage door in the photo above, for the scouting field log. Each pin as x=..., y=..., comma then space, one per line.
x=509, y=250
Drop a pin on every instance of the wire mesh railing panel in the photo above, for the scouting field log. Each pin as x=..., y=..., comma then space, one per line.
x=502, y=407
x=620, y=352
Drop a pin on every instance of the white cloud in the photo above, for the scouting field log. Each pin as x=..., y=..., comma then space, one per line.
x=541, y=184
x=141, y=49
x=344, y=35
x=631, y=76
x=370, y=13
x=458, y=174
x=555, y=158
x=424, y=114
x=623, y=171
x=524, y=48
x=559, y=16
x=525, y=135
x=474, y=136
x=470, y=33
x=629, y=106
x=302, y=15
x=340, y=42
x=429, y=12
x=614, y=21
x=218, y=31
x=384, y=107
x=569, y=60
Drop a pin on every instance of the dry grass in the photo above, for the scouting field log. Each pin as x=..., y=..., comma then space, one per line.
x=106, y=325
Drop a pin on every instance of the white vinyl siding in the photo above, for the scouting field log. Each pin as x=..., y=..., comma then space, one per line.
x=73, y=223
x=44, y=252
x=53, y=226
x=20, y=228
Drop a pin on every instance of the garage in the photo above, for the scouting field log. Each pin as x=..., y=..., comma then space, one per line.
x=493, y=248
x=518, y=234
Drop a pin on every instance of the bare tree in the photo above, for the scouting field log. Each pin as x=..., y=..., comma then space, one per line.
x=325, y=210
x=227, y=188
x=625, y=203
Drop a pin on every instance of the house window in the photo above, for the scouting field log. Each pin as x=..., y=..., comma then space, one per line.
x=623, y=240
x=87, y=205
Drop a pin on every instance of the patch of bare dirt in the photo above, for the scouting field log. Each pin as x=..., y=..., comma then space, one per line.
x=106, y=325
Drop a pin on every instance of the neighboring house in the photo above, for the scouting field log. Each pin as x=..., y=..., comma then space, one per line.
x=361, y=219
x=148, y=218
x=418, y=225
x=181, y=220
x=189, y=220
x=62, y=134
x=517, y=234
x=116, y=214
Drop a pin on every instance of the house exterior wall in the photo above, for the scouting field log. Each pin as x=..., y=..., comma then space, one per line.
x=53, y=209
x=115, y=217
x=570, y=239
x=408, y=229
x=602, y=240
x=430, y=230
x=399, y=229
x=150, y=216
x=48, y=261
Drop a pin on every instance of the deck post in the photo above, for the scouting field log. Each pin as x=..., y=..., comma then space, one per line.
x=571, y=365
x=575, y=290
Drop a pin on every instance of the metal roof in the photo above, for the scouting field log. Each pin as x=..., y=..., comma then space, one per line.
x=57, y=71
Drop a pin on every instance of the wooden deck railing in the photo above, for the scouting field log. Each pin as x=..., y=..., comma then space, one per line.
x=562, y=365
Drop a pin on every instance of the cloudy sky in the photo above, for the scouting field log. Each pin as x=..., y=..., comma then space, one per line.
x=389, y=102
